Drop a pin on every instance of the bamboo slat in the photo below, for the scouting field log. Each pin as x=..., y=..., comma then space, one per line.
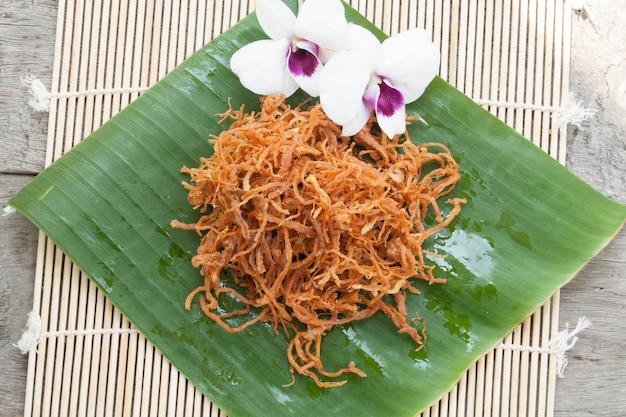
x=511, y=56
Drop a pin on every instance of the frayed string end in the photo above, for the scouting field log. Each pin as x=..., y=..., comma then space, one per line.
x=8, y=210
x=40, y=96
x=561, y=343
x=564, y=341
x=571, y=111
x=32, y=334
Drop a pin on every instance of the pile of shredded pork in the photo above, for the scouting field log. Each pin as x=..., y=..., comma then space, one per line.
x=318, y=229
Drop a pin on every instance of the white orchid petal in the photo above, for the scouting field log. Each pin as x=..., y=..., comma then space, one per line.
x=324, y=23
x=363, y=42
x=305, y=68
x=276, y=18
x=304, y=60
x=308, y=46
x=262, y=67
x=358, y=121
x=393, y=124
x=371, y=94
x=388, y=99
x=341, y=86
x=410, y=61
x=390, y=110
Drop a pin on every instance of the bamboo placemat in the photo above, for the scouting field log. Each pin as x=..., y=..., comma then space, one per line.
x=511, y=56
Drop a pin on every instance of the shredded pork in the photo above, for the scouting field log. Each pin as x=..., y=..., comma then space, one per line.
x=318, y=229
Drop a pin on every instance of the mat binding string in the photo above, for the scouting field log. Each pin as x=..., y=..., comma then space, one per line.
x=41, y=98
x=557, y=346
x=570, y=111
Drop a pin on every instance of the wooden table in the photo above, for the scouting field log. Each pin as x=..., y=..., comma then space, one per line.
x=595, y=379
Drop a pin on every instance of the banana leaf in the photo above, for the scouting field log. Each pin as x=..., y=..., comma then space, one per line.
x=528, y=226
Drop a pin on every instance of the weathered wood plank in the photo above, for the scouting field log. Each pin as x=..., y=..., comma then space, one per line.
x=27, y=30
x=596, y=151
x=595, y=378
x=18, y=251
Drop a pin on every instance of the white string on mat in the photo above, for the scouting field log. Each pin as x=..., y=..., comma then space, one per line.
x=515, y=105
x=41, y=97
x=570, y=111
x=33, y=334
x=561, y=343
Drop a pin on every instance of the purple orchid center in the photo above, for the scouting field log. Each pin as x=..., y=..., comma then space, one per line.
x=389, y=100
x=303, y=60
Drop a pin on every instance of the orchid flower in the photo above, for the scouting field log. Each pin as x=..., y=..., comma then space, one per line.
x=297, y=48
x=370, y=76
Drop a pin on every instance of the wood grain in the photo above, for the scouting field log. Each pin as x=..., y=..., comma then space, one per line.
x=595, y=378
x=18, y=247
x=26, y=47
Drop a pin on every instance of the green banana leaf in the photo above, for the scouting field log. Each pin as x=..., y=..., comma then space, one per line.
x=528, y=226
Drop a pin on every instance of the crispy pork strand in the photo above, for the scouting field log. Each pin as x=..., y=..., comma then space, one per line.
x=317, y=229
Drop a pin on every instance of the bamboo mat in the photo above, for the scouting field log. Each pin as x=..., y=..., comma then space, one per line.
x=511, y=56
